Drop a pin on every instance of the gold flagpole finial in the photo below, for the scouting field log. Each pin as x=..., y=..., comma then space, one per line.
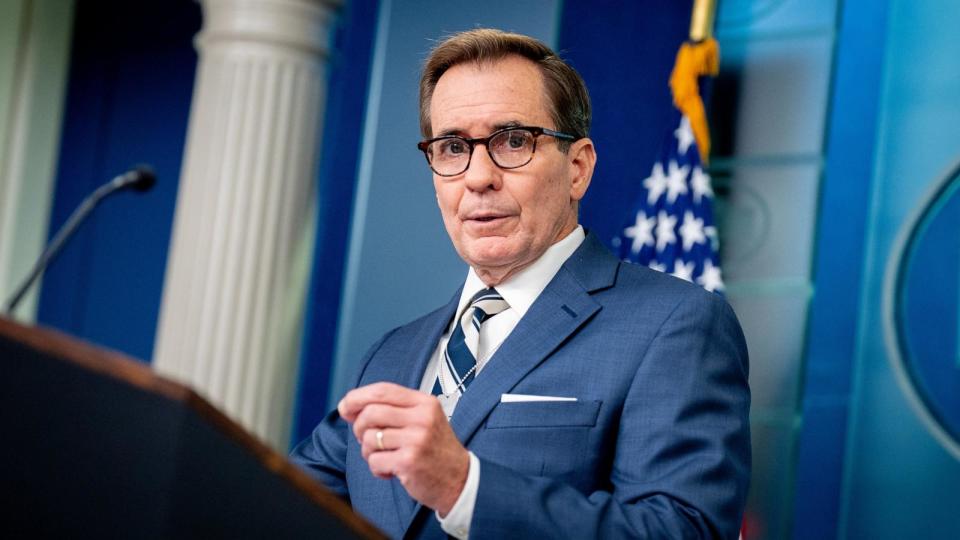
x=697, y=58
x=701, y=20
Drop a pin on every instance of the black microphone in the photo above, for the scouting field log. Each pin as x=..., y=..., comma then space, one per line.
x=141, y=179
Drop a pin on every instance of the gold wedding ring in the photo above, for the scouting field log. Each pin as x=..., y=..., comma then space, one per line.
x=380, y=440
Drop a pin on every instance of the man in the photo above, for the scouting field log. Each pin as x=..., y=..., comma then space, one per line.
x=586, y=397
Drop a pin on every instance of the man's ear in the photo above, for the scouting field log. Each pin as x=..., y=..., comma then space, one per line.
x=583, y=158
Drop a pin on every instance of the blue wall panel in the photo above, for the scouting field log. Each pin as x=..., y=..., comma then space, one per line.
x=128, y=100
x=349, y=76
x=625, y=52
x=840, y=250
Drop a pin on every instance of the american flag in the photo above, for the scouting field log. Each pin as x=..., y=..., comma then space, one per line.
x=672, y=228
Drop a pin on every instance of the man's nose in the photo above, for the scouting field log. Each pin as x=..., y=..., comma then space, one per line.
x=483, y=173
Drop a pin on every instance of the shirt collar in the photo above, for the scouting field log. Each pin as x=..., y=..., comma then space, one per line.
x=523, y=288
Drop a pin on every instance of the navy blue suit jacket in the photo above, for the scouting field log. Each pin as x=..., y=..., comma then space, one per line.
x=657, y=444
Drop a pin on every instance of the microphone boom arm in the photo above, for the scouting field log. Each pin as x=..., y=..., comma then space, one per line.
x=141, y=178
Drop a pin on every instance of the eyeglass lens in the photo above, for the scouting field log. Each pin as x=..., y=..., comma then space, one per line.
x=508, y=149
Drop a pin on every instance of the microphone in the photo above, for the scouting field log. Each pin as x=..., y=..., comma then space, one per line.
x=141, y=178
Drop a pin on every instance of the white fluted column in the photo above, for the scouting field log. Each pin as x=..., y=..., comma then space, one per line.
x=237, y=270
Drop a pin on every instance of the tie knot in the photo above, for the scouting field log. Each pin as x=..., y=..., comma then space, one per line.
x=486, y=304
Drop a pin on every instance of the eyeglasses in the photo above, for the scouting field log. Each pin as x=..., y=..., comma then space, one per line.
x=509, y=148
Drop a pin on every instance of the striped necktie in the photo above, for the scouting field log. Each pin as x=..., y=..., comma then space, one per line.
x=459, y=363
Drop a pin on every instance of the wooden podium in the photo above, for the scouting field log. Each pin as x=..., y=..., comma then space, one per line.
x=95, y=445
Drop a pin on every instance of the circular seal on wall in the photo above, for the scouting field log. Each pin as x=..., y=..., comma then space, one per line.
x=923, y=311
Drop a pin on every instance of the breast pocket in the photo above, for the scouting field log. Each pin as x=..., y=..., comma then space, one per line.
x=544, y=438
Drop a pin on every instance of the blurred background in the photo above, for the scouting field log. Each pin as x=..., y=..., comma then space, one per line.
x=294, y=221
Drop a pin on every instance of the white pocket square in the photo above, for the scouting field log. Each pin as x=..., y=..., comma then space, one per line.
x=517, y=398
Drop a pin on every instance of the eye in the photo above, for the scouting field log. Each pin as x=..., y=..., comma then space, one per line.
x=452, y=147
x=511, y=142
x=516, y=139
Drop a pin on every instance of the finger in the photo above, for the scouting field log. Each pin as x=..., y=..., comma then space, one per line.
x=388, y=393
x=383, y=464
x=379, y=416
x=389, y=439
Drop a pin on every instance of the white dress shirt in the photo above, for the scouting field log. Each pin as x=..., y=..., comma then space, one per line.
x=520, y=292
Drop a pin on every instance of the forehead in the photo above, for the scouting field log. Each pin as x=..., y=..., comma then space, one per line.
x=476, y=98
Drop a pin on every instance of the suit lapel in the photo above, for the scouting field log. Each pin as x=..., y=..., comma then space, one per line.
x=563, y=307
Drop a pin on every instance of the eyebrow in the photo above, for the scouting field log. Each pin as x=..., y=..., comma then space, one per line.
x=496, y=127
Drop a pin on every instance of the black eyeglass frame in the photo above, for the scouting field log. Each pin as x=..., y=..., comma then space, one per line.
x=472, y=144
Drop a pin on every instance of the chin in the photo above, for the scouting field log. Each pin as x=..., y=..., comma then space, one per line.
x=490, y=252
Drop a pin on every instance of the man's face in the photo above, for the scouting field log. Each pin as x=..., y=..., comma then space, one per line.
x=500, y=220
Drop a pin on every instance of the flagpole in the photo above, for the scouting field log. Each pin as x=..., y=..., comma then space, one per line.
x=701, y=20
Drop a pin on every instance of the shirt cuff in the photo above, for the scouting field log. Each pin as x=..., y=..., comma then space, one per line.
x=457, y=522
